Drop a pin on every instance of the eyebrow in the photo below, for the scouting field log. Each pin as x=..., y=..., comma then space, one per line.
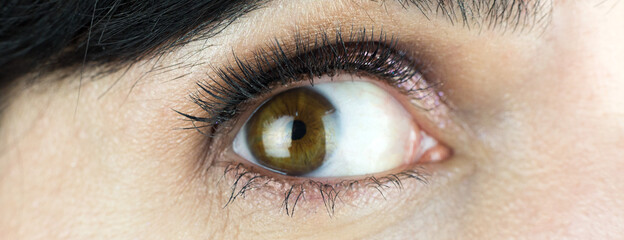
x=57, y=35
x=491, y=14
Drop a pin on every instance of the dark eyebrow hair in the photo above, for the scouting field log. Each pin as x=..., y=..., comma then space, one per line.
x=41, y=36
x=515, y=14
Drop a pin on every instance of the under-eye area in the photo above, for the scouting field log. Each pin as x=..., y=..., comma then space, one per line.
x=246, y=182
x=321, y=120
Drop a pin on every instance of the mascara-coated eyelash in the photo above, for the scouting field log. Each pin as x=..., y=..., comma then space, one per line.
x=221, y=97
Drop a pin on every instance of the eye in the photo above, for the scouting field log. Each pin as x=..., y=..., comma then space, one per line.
x=320, y=118
x=343, y=127
x=331, y=109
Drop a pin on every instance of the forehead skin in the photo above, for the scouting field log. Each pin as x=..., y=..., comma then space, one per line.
x=543, y=160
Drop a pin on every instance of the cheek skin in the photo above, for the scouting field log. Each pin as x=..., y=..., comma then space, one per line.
x=71, y=172
x=555, y=143
x=585, y=145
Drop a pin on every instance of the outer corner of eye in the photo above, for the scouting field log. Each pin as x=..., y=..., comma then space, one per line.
x=335, y=129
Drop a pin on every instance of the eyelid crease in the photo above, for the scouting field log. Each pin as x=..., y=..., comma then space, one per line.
x=361, y=52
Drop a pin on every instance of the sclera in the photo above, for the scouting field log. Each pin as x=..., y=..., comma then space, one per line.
x=374, y=132
x=377, y=134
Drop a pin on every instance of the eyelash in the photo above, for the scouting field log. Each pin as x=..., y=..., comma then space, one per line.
x=224, y=97
x=244, y=178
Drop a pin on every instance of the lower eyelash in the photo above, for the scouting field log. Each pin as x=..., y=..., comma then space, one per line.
x=243, y=180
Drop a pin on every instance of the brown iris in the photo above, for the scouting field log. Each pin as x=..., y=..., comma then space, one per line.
x=292, y=132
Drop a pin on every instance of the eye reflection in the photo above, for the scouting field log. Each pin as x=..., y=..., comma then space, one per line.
x=333, y=129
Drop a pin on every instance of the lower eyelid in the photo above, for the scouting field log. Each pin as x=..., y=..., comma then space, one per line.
x=315, y=194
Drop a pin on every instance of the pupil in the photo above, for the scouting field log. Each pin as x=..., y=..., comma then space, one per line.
x=298, y=130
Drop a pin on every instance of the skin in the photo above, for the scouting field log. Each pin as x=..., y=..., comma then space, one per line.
x=537, y=133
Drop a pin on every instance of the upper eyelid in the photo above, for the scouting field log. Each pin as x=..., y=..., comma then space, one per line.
x=231, y=84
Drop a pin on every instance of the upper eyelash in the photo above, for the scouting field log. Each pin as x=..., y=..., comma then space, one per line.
x=373, y=53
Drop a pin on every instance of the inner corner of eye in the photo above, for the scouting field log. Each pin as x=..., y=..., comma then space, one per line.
x=336, y=128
